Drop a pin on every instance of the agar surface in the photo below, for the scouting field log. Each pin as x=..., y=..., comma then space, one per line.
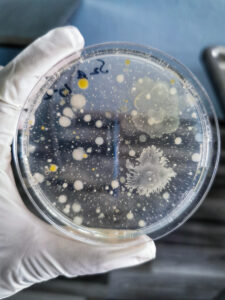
x=114, y=145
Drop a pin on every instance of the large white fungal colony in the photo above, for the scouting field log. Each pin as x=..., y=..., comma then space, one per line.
x=160, y=114
x=151, y=174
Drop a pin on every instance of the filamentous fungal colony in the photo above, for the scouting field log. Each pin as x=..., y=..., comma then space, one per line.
x=116, y=142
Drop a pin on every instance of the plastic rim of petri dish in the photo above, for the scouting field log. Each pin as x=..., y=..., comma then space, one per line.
x=117, y=141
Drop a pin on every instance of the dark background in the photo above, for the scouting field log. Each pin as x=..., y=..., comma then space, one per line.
x=190, y=262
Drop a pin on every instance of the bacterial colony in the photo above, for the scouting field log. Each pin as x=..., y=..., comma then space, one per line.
x=116, y=142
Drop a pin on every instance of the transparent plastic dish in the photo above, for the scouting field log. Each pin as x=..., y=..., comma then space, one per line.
x=117, y=141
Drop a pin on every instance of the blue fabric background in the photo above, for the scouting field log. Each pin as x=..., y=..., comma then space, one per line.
x=180, y=28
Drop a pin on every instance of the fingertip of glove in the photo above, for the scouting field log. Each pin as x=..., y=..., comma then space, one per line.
x=74, y=34
x=148, y=248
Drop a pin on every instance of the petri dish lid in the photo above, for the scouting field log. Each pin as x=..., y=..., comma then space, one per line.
x=116, y=141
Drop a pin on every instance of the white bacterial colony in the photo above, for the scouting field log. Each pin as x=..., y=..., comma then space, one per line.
x=99, y=141
x=196, y=157
x=78, y=101
x=120, y=78
x=98, y=124
x=67, y=111
x=115, y=184
x=78, y=185
x=62, y=199
x=87, y=118
x=78, y=154
x=130, y=215
x=76, y=207
x=178, y=141
x=64, y=121
x=78, y=220
x=141, y=223
x=39, y=178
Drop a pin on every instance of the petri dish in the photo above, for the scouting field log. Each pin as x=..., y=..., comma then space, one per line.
x=116, y=141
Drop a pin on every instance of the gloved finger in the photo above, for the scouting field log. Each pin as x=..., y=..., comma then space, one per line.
x=72, y=258
x=19, y=77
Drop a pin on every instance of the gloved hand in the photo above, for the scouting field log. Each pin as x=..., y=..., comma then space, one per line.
x=32, y=251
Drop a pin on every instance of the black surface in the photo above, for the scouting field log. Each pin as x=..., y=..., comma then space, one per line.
x=214, y=60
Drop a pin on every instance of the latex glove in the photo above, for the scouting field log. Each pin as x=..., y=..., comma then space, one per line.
x=30, y=250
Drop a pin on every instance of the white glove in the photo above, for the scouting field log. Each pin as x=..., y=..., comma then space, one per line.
x=30, y=250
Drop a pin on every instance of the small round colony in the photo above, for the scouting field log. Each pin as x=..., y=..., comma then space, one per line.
x=115, y=184
x=62, y=199
x=78, y=154
x=99, y=141
x=78, y=185
x=64, y=121
x=78, y=101
x=120, y=78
